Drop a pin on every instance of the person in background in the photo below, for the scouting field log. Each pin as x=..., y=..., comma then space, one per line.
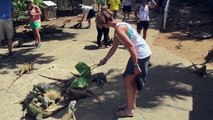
x=142, y=14
x=35, y=20
x=102, y=31
x=88, y=12
x=127, y=8
x=137, y=65
x=113, y=5
x=136, y=5
x=152, y=3
x=100, y=4
x=6, y=23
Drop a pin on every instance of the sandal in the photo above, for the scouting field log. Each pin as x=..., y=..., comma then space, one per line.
x=122, y=113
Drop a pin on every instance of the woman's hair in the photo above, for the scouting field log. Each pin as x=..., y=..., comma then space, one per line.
x=103, y=16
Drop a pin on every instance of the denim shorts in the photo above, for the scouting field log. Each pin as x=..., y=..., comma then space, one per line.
x=143, y=64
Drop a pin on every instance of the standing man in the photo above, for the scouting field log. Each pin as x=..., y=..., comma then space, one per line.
x=113, y=5
x=127, y=8
x=6, y=23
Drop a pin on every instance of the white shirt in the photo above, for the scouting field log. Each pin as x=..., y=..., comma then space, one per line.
x=142, y=48
x=143, y=13
x=86, y=9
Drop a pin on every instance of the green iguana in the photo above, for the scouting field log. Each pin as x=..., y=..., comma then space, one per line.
x=40, y=113
x=77, y=94
x=43, y=87
x=99, y=78
x=77, y=26
x=70, y=115
x=52, y=96
x=25, y=68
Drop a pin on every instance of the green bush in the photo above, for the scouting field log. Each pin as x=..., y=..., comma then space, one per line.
x=20, y=8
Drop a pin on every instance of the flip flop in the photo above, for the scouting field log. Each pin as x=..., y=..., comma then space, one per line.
x=122, y=114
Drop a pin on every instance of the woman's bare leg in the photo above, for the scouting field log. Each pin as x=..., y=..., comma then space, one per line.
x=144, y=34
x=131, y=92
x=37, y=36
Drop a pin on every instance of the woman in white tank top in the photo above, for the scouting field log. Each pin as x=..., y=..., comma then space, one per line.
x=142, y=14
x=138, y=61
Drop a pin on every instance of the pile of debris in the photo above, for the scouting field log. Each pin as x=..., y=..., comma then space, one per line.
x=47, y=99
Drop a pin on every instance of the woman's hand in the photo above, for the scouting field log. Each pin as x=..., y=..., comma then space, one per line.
x=137, y=70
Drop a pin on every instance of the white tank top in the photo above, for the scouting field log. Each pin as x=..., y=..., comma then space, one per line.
x=143, y=13
x=142, y=48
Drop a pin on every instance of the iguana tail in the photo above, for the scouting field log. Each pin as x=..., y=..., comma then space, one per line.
x=13, y=83
x=194, y=65
x=48, y=114
x=93, y=95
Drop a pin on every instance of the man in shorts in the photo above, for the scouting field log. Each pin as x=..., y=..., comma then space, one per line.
x=88, y=12
x=6, y=23
x=114, y=7
x=127, y=7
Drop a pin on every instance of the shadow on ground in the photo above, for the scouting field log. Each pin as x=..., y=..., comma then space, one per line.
x=23, y=56
x=91, y=47
x=164, y=81
x=46, y=35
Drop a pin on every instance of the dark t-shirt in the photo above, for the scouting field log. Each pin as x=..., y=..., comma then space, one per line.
x=138, y=1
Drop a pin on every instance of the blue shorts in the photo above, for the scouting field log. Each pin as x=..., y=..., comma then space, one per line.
x=143, y=64
x=127, y=8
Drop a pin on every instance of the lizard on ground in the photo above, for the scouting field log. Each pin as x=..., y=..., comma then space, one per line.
x=25, y=68
x=70, y=115
x=77, y=94
x=52, y=96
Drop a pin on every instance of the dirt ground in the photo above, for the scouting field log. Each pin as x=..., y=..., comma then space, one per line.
x=186, y=18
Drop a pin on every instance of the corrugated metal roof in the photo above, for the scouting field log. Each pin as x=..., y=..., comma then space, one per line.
x=49, y=3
